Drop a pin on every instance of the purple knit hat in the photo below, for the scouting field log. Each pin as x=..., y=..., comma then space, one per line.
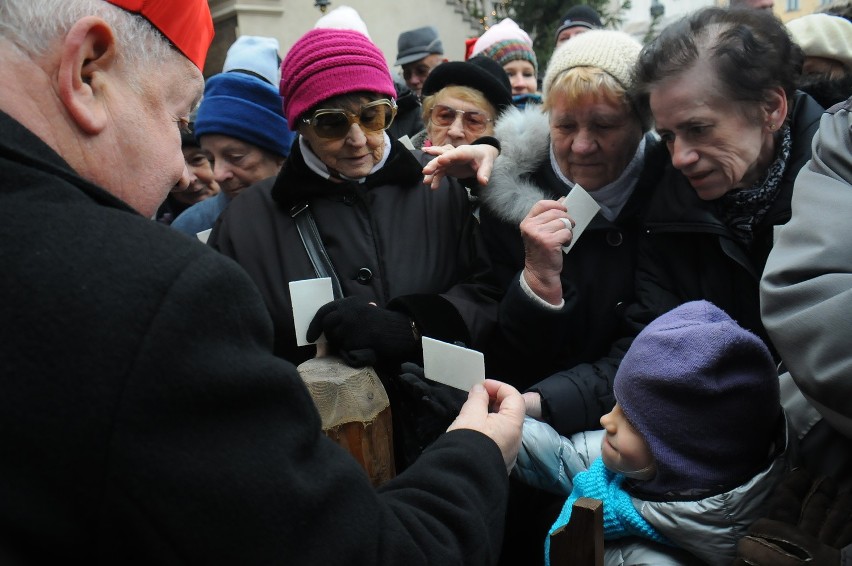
x=703, y=393
x=325, y=63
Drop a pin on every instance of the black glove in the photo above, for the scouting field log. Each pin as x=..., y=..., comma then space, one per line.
x=433, y=406
x=362, y=332
x=808, y=523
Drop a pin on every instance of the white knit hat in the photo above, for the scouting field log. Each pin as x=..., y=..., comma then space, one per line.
x=343, y=17
x=613, y=52
x=822, y=35
x=505, y=42
x=258, y=55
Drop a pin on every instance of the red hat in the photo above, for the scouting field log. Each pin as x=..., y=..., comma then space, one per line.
x=186, y=23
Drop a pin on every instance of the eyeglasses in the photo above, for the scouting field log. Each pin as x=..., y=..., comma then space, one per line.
x=473, y=121
x=334, y=123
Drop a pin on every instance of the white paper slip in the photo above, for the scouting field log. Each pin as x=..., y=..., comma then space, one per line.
x=581, y=208
x=307, y=297
x=204, y=235
x=452, y=365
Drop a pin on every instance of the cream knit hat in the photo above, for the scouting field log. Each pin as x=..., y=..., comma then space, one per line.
x=822, y=35
x=613, y=52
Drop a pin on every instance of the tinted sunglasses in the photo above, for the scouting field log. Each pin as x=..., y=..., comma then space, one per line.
x=473, y=121
x=334, y=123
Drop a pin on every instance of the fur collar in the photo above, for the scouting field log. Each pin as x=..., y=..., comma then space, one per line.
x=525, y=141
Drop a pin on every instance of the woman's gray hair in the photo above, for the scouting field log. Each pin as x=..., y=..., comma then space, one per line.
x=34, y=25
x=750, y=51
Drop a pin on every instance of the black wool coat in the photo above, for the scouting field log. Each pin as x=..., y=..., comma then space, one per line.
x=144, y=419
x=390, y=239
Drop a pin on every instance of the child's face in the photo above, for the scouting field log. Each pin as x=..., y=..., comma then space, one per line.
x=623, y=449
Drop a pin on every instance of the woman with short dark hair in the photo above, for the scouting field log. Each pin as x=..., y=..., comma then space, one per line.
x=721, y=86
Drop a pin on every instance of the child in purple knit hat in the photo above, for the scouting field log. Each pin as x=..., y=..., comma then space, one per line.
x=688, y=455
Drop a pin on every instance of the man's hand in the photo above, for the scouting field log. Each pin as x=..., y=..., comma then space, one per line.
x=459, y=162
x=504, y=425
x=546, y=228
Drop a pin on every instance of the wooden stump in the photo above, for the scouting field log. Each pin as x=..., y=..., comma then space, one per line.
x=355, y=412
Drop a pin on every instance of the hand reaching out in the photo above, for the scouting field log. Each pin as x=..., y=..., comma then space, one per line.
x=460, y=162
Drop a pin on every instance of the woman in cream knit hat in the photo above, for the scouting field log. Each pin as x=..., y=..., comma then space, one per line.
x=560, y=313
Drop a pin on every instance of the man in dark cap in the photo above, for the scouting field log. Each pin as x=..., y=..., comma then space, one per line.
x=579, y=19
x=418, y=52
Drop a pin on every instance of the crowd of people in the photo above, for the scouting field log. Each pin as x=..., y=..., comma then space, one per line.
x=680, y=356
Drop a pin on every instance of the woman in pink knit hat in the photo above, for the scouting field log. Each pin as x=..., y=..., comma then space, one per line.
x=406, y=259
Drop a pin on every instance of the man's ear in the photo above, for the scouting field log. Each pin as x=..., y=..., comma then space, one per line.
x=87, y=61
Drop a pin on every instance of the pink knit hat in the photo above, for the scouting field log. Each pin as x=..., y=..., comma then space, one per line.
x=325, y=63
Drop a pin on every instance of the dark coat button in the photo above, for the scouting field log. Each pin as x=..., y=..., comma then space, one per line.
x=364, y=276
x=614, y=238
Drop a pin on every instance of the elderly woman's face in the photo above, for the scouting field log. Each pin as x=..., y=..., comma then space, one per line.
x=710, y=138
x=356, y=153
x=457, y=122
x=593, y=140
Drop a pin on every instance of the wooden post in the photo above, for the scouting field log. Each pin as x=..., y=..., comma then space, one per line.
x=581, y=541
x=355, y=412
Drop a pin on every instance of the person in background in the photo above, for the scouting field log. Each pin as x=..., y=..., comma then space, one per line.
x=419, y=51
x=578, y=19
x=409, y=262
x=753, y=4
x=241, y=125
x=691, y=452
x=840, y=8
x=462, y=101
x=512, y=49
x=143, y=417
x=202, y=183
x=827, y=43
x=561, y=313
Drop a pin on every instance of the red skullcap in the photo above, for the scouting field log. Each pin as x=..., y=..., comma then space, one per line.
x=186, y=23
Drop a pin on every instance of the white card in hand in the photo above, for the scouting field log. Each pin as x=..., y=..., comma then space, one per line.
x=581, y=208
x=307, y=297
x=452, y=365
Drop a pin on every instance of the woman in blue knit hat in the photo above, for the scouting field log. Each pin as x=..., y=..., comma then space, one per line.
x=689, y=454
x=241, y=125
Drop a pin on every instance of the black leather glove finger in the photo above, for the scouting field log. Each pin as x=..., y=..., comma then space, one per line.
x=773, y=543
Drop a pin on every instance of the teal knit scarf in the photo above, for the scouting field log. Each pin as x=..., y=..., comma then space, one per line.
x=621, y=518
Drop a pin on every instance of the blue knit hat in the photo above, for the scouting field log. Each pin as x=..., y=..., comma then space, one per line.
x=703, y=393
x=246, y=108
